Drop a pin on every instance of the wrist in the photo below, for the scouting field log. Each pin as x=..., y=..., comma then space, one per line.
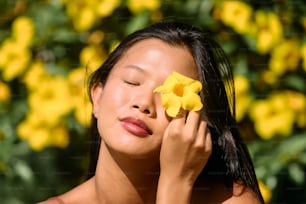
x=173, y=190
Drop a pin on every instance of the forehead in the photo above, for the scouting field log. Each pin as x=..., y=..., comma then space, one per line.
x=159, y=56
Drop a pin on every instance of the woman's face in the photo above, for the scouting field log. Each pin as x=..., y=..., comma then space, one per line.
x=130, y=117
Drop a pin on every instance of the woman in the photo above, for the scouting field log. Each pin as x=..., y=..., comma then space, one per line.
x=141, y=154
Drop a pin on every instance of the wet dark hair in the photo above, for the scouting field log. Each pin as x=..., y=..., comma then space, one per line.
x=230, y=161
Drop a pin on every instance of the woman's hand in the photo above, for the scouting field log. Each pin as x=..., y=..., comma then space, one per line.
x=185, y=150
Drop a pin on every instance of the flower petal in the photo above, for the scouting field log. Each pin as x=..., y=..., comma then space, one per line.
x=191, y=102
x=194, y=87
x=172, y=104
x=167, y=86
x=182, y=79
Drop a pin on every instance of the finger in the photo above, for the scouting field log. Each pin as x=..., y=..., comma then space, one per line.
x=180, y=119
x=201, y=134
x=208, y=141
x=192, y=123
x=177, y=124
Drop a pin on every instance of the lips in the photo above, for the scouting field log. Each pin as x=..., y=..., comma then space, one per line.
x=136, y=126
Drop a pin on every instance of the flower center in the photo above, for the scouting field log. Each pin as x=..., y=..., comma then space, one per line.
x=178, y=90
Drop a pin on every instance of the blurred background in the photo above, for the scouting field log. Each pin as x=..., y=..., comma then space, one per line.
x=48, y=48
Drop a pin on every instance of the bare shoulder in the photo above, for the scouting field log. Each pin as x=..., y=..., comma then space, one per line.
x=79, y=194
x=219, y=193
x=242, y=194
x=49, y=201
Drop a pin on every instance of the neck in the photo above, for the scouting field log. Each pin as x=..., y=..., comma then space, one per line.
x=126, y=179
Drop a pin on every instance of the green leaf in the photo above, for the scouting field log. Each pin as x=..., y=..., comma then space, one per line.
x=295, y=82
x=296, y=173
x=137, y=22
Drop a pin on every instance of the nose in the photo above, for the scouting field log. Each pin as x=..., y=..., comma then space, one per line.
x=145, y=103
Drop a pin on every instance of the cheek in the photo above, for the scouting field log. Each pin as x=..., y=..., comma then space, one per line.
x=114, y=97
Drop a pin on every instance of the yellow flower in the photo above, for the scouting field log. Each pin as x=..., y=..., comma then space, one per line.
x=243, y=97
x=83, y=110
x=51, y=100
x=92, y=57
x=297, y=102
x=303, y=55
x=106, y=7
x=59, y=136
x=137, y=6
x=14, y=59
x=39, y=139
x=273, y=116
x=81, y=102
x=23, y=30
x=284, y=56
x=34, y=131
x=83, y=13
x=180, y=92
x=5, y=92
x=25, y=127
x=35, y=75
x=85, y=20
x=269, y=76
x=265, y=191
x=233, y=10
x=40, y=134
x=269, y=31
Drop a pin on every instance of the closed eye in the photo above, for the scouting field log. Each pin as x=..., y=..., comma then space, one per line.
x=132, y=83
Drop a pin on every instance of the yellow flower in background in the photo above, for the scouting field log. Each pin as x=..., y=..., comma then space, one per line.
x=34, y=131
x=269, y=76
x=92, y=57
x=26, y=126
x=244, y=99
x=137, y=6
x=39, y=139
x=35, y=75
x=107, y=7
x=51, y=101
x=180, y=92
x=59, y=136
x=14, y=59
x=265, y=191
x=83, y=13
x=82, y=112
x=273, y=116
x=303, y=55
x=85, y=20
x=40, y=134
x=23, y=30
x=237, y=14
x=5, y=92
x=285, y=56
x=81, y=103
x=269, y=31
x=297, y=102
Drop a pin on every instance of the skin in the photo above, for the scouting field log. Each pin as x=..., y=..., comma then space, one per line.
x=137, y=166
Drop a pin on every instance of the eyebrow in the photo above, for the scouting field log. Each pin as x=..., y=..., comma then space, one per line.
x=131, y=66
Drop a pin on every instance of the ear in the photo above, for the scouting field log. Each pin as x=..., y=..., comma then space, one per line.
x=96, y=97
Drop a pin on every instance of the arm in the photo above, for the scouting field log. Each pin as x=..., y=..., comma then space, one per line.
x=185, y=150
